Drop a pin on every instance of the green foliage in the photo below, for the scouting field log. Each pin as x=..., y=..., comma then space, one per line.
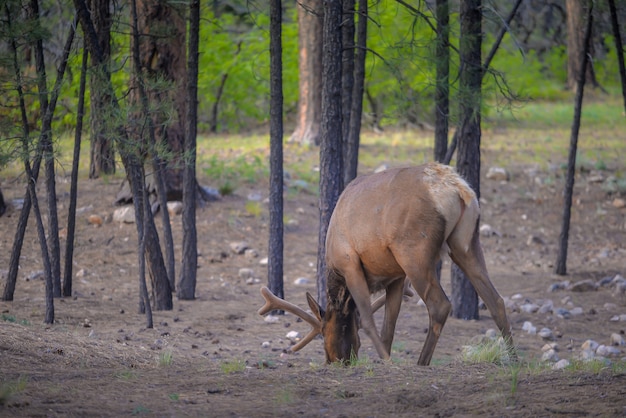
x=235, y=57
x=13, y=319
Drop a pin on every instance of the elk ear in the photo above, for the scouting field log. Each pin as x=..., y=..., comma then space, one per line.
x=317, y=310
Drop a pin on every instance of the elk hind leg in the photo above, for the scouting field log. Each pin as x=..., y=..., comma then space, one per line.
x=472, y=262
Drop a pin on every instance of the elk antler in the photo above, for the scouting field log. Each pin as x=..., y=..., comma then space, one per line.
x=273, y=302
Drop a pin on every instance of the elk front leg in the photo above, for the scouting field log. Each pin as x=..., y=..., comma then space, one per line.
x=357, y=285
x=394, y=292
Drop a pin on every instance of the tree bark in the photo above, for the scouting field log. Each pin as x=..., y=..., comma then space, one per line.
x=619, y=48
x=347, y=75
x=188, y=275
x=442, y=83
x=71, y=215
x=331, y=172
x=276, y=244
x=575, y=46
x=102, y=150
x=351, y=158
x=162, y=288
x=464, y=297
x=561, y=262
x=307, y=130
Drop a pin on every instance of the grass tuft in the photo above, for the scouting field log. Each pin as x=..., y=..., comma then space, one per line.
x=488, y=350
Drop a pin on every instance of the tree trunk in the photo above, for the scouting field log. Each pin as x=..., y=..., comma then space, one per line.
x=618, y=48
x=561, y=262
x=102, y=151
x=71, y=215
x=276, y=244
x=442, y=83
x=162, y=54
x=351, y=157
x=45, y=139
x=347, y=75
x=464, y=297
x=3, y=206
x=575, y=46
x=309, y=69
x=331, y=172
x=187, y=283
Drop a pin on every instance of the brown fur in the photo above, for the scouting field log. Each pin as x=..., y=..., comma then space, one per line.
x=390, y=226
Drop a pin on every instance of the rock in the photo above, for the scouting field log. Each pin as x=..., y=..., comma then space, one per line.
x=619, y=203
x=529, y=327
x=546, y=334
x=210, y=194
x=174, y=208
x=547, y=307
x=124, y=214
x=35, y=275
x=589, y=345
x=550, y=355
x=250, y=253
x=616, y=318
x=562, y=313
x=529, y=307
x=561, y=364
x=550, y=346
x=619, y=293
x=576, y=311
x=617, y=339
x=239, y=247
x=486, y=230
x=300, y=281
x=265, y=344
x=605, y=351
x=595, y=177
x=255, y=196
x=271, y=319
x=246, y=273
x=293, y=335
x=96, y=220
x=584, y=286
x=587, y=355
x=535, y=240
x=558, y=286
x=263, y=261
x=618, y=279
x=497, y=173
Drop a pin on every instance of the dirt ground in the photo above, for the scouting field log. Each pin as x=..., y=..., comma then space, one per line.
x=207, y=358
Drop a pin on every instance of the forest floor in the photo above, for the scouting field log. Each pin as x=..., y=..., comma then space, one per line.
x=207, y=357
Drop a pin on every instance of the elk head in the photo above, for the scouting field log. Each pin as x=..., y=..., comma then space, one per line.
x=340, y=326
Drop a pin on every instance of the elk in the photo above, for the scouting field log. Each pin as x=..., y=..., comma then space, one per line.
x=388, y=228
